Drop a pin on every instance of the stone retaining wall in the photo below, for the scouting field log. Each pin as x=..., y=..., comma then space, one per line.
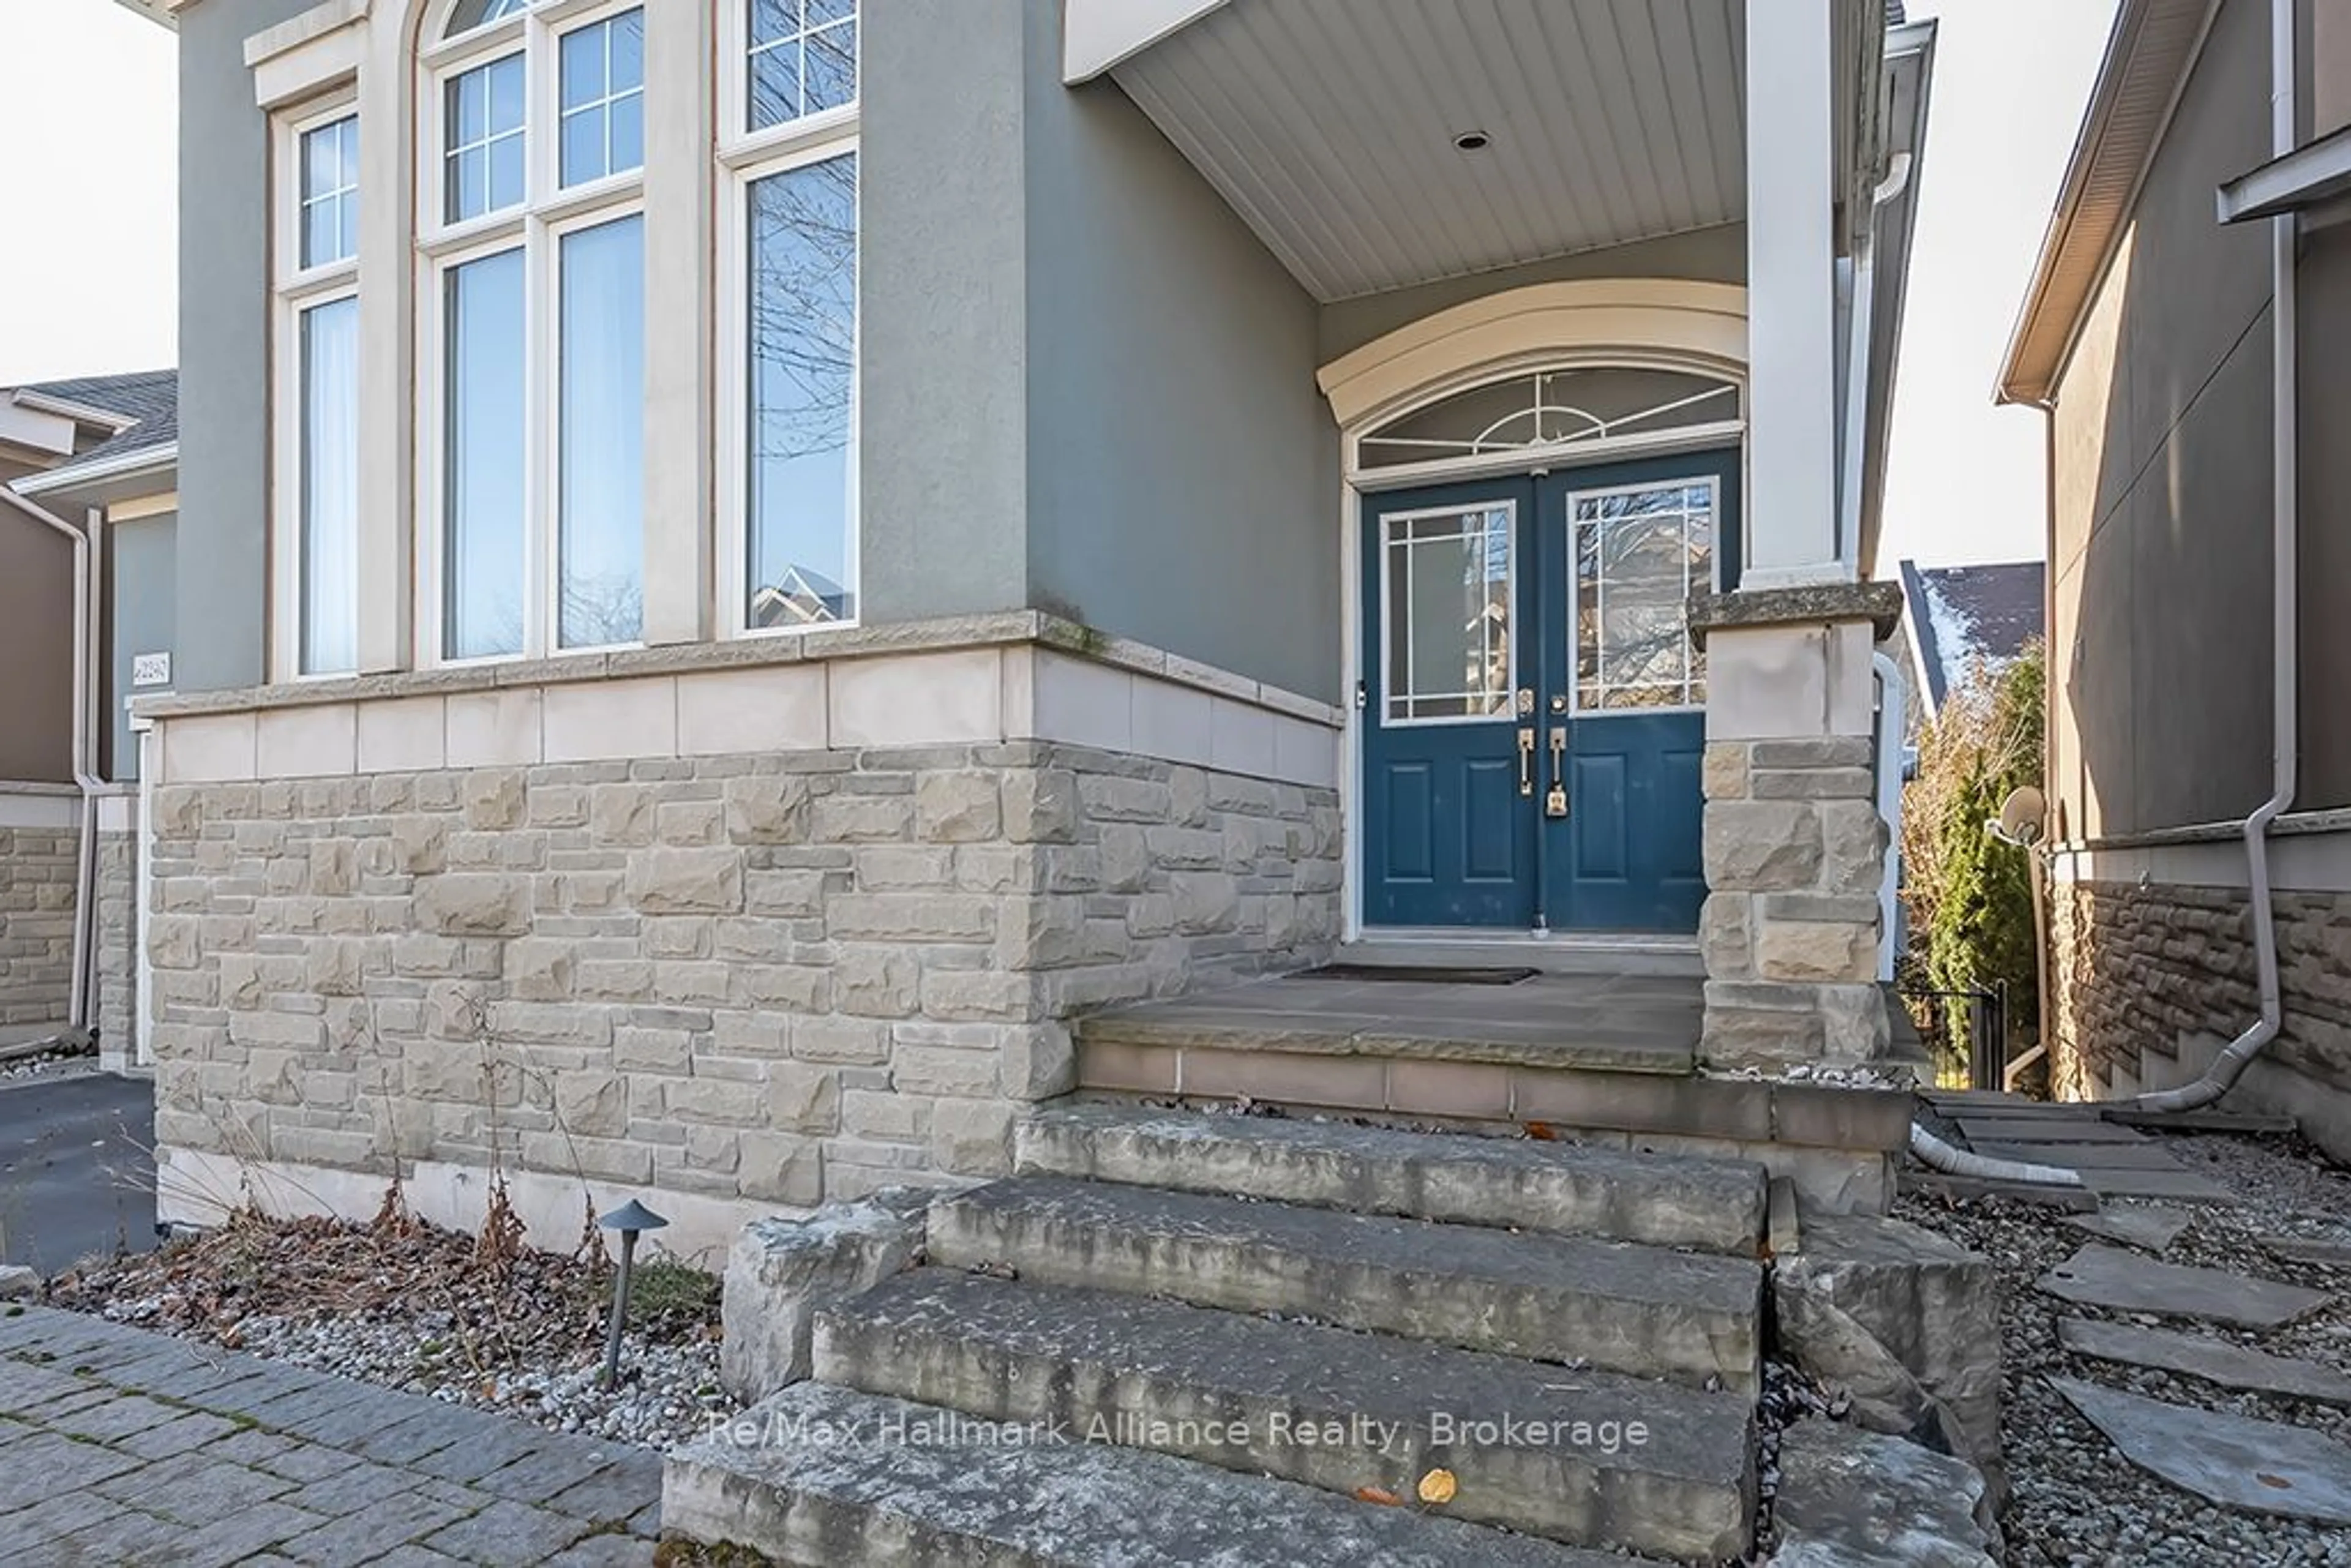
x=2163, y=967
x=781, y=978
x=36, y=919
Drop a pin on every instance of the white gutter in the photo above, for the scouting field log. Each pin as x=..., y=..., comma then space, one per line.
x=2285, y=686
x=84, y=754
x=75, y=476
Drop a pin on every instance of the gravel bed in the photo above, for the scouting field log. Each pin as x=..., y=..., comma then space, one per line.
x=429, y=1312
x=2074, y=1501
x=58, y=1061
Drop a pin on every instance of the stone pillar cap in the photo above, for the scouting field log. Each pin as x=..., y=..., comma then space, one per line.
x=1879, y=603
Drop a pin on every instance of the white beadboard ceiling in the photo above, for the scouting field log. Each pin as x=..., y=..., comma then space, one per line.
x=1328, y=126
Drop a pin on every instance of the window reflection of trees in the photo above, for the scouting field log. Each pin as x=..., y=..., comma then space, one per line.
x=803, y=343
x=1639, y=554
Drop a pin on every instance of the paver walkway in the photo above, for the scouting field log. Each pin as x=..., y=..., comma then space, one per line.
x=119, y=1446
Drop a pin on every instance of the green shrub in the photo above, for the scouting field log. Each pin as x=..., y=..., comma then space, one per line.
x=1969, y=895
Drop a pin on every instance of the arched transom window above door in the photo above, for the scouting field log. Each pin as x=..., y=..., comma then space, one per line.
x=1543, y=410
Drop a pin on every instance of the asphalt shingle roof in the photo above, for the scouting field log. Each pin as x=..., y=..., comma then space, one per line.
x=152, y=398
x=1959, y=615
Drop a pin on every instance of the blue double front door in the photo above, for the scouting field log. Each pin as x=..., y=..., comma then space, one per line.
x=1533, y=707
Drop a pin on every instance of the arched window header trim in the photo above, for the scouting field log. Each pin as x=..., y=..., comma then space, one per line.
x=1663, y=324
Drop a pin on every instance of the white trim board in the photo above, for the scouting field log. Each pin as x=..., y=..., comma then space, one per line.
x=24, y=806
x=2299, y=863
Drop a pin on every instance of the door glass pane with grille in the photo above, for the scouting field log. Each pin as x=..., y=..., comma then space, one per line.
x=1447, y=613
x=1640, y=552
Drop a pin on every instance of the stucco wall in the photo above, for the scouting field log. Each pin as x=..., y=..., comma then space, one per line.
x=2324, y=546
x=943, y=326
x=1183, y=476
x=224, y=346
x=2160, y=554
x=142, y=615
x=37, y=637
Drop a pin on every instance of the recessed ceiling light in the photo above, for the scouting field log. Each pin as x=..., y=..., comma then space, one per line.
x=1472, y=141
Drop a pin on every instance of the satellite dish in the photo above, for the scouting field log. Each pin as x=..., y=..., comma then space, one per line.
x=2023, y=815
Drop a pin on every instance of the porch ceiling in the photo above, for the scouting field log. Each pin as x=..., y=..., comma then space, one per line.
x=1330, y=125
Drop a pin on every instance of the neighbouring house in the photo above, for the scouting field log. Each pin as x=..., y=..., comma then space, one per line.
x=2185, y=334
x=742, y=566
x=85, y=505
x=1962, y=620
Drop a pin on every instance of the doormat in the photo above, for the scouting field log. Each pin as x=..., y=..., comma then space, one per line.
x=1421, y=974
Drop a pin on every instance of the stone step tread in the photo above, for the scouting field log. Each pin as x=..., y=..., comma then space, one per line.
x=1695, y=1435
x=830, y=1477
x=1593, y=1458
x=1625, y=1270
x=1459, y=1178
x=1621, y=1305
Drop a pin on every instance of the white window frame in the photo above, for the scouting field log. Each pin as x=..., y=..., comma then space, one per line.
x=1382, y=717
x=536, y=227
x=296, y=291
x=747, y=157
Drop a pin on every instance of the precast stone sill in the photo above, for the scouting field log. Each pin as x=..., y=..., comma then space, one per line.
x=1023, y=628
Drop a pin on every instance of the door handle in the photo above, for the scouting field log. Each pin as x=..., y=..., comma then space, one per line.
x=1555, y=803
x=1526, y=761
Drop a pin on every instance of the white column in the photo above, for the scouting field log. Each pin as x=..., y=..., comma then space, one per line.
x=679, y=523
x=387, y=285
x=1791, y=503
x=387, y=463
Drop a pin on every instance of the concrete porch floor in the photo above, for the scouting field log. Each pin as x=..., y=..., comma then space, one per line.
x=1626, y=1023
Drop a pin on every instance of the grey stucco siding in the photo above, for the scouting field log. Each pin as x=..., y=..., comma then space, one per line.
x=943, y=346
x=37, y=636
x=142, y=614
x=1183, y=468
x=2159, y=554
x=223, y=572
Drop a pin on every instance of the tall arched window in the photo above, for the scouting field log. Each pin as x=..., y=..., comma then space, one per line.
x=787, y=470
x=532, y=326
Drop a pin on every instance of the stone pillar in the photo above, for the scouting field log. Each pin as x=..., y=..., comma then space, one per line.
x=1795, y=849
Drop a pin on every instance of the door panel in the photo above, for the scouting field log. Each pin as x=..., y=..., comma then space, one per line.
x=1448, y=840
x=1625, y=545
x=1572, y=589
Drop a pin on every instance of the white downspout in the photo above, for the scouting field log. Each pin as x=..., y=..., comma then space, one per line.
x=2285, y=655
x=1893, y=718
x=1860, y=309
x=84, y=761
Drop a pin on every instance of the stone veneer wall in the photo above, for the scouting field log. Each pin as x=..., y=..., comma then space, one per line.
x=37, y=873
x=780, y=979
x=2137, y=966
x=1795, y=855
x=116, y=961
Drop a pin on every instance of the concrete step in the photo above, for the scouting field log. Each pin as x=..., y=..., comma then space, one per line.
x=1591, y=1458
x=820, y=1477
x=1684, y=1316
x=1570, y=1189
x=1552, y=952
